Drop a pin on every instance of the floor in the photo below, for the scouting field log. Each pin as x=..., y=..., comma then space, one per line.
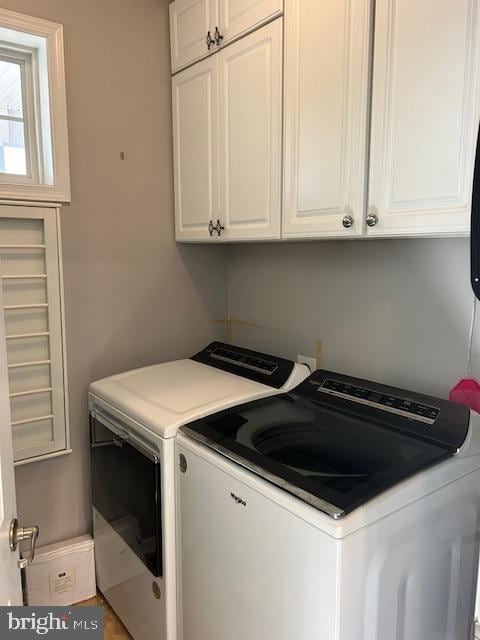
x=114, y=629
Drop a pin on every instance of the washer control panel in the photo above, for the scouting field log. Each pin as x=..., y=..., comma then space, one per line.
x=394, y=404
x=434, y=419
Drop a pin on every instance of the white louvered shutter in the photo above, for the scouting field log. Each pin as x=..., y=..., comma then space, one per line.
x=30, y=272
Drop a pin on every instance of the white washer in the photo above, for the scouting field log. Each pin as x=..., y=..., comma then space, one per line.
x=134, y=417
x=344, y=510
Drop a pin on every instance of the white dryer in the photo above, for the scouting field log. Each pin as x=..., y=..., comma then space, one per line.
x=134, y=417
x=344, y=510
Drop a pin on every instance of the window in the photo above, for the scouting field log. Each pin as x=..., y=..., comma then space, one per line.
x=32, y=307
x=33, y=125
x=14, y=125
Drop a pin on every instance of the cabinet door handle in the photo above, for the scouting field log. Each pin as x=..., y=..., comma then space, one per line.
x=218, y=37
x=372, y=219
x=211, y=228
x=347, y=222
x=219, y=228
x=210, y=41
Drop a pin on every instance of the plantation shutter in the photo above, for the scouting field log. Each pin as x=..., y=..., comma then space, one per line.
x=30, y=273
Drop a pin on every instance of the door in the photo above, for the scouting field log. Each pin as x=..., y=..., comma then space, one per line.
x=10, y=588
x=250, y=81
x=327, y=58
x=127, y=525
x=241, y=16
x=195, y=149
x=191, y=22
x=424, y=116
x=126, y=487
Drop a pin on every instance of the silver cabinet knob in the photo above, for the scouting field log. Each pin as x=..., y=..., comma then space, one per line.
x=218, y=37
x=372, y=219
x=347, y=222
x=219, y=228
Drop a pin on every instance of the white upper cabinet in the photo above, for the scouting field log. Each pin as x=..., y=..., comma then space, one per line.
x=327, y=57
x=375, y=134
x=195, y=146
x=191, y=23
x=240, y=16
x=199, y=28
x=250, y=85
x=424, y=116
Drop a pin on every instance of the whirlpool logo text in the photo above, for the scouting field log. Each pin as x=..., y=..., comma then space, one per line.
x=60, y=622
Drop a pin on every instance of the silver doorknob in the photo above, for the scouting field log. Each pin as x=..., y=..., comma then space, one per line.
x=16, y=534
x=372, y=219
x=348, y=222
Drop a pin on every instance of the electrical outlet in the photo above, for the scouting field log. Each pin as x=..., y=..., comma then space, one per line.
x=310, y=362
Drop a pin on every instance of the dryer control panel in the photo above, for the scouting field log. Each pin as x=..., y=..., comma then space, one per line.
x=254, y=365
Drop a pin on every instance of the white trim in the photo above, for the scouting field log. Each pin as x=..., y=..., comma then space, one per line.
x=63, y=325
x=52, y=116
x=47, y=456
x=30, y=203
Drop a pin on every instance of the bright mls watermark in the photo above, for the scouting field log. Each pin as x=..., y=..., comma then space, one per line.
x=57, y=622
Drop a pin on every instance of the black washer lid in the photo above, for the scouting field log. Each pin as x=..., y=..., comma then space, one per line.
x=260, y=367
x=336, y=441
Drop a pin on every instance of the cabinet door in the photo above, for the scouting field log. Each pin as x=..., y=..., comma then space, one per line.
x=195, y=147
x=424, y=117
x=190, y=21
x=327, y=57
x=251, y=134
x=241, y=16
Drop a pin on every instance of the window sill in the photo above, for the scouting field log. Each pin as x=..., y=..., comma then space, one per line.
x=47, y=456
x=37, y=193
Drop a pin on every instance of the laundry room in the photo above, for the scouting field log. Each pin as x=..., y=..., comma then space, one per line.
x=240, y=367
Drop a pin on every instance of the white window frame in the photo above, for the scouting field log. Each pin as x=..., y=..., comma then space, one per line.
x=40, y=44
x=25, y=59
x=60, y=443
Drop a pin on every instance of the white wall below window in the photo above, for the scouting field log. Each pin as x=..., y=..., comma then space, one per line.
x=395, y=311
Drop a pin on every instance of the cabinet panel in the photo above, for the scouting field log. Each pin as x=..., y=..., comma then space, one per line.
x=240, y=16
x=424, y=116
x=327, y=56
x=195, y=144
x=190, y=21
x=251, y=134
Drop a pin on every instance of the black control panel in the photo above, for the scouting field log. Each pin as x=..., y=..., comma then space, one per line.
x=250, y=362
x=430, y=418
x=416, y=410
x=253, y=365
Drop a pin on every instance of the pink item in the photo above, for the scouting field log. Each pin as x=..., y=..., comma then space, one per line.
x=467, y=392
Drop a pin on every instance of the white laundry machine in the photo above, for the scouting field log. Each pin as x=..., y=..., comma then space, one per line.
x=343, y=510
x=134, y=417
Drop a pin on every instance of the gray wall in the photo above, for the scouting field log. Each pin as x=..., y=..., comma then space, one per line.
x=133, y=297
x=396, y=311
